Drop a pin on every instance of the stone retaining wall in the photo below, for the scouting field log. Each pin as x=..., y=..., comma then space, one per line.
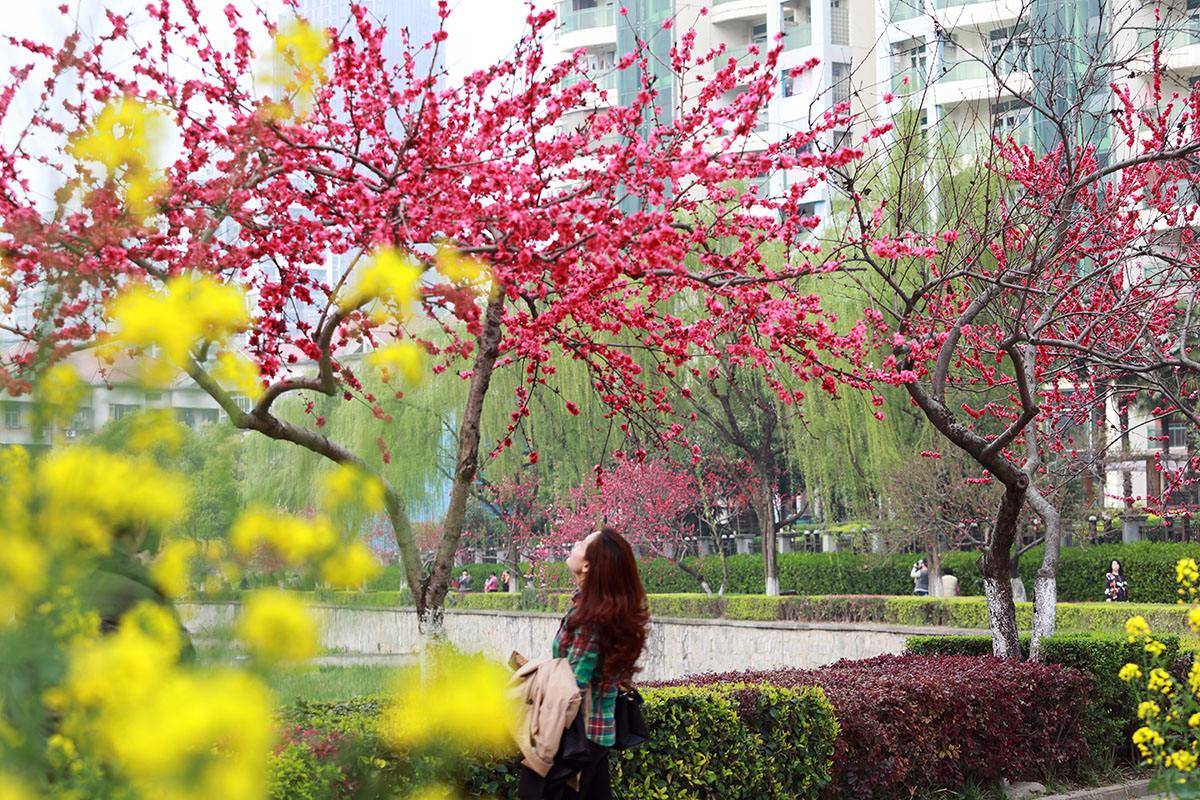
x=675, y=648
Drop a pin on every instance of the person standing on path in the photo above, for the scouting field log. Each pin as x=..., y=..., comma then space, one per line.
x=920, y=575
x=602, y=636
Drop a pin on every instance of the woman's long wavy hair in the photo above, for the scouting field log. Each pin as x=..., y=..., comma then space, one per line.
x=612, y=599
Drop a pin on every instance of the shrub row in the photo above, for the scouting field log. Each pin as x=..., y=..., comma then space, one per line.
x=954, y=612
x=716, y=741
x=1150, y=567
x=1111, y=713
x=909, y=724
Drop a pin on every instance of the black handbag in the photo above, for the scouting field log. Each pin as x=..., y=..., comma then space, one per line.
x=630, y=724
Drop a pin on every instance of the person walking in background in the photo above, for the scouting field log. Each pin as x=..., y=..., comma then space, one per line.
x=505, y=581
x=602, y=637
x=1116, y=588
x=949, y=583
x=492, y=584
x=464, y=581
x=920, y=575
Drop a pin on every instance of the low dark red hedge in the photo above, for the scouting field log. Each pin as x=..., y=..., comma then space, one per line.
x=914, y=723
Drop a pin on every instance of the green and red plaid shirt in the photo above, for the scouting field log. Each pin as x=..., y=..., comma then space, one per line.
x=581, y=648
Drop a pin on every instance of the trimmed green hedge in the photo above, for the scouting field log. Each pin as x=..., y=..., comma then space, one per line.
x=729, y=741
x=1112, y=710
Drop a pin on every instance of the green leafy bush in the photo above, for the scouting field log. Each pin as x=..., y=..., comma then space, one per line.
x=728, y=741
x=1112, y=707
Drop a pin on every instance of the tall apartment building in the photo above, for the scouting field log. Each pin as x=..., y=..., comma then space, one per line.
x=840, y=33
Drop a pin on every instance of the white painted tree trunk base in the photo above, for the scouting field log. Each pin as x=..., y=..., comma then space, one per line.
x=1045, y=596
x=1005, y=643
x=773, y=587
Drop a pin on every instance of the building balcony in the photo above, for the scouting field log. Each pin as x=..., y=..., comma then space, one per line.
x=968, y=80
x=975, y=13
x=606, y=82
x=906, y=9
x=586, y=27
x=737, y=10
x=797, y=36
x=908, y=81
x=1179, y=48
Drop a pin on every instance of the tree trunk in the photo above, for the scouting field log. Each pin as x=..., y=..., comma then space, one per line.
x=997, y=588
x=1045, y=585
x=935, y=570
x=487, y=348
x=1126, y=455
x=765, y=512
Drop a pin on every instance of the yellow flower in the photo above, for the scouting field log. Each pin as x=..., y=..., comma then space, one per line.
x=349, y=485
x=238, y=373
x=172, y=569
x=91, y=495
x=459, y=700
x=12, y=788
x=293, y=539
x=115, y=671
x=1194, y=677
x=1136, y=626
x=1194, y=720
x=1155, y=647
x=1148, y=708
x=188, y=310
x=1130, y=672
x=405, y=359
x=1193, y=619
x=278, y=628
x=391, y=277
x=1147, y=736
x=1161, y=681
x=122, y=138
x=350, y=567
x=298, y=66
x=1186, y=571
x=194, y=737
x=59, y=392
x=458, y=268
x=22, y=573
x=1182, y=760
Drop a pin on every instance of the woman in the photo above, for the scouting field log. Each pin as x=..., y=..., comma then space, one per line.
x=1116, y=588
x=505, y=580
x=602, y=637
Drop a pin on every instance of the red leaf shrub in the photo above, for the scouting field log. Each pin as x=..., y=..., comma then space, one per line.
x=914, y=723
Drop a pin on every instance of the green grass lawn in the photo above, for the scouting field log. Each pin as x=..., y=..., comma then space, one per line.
x=327, y=682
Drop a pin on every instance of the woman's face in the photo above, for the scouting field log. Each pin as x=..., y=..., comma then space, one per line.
x=577, y=562
x=1114, y=567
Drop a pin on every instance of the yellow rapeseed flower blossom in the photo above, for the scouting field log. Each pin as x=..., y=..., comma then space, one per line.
x=404, y=359
x=294, y=539
x=1193, y=619
x=1186, y=571
x=297, y=66
x=349, y=567
x=23, y=565
x=459, y=268
x=1194, y=677
x=12, y=788
x=188, y=310
x=392, y=278
x=58, y=394
x=349, y=485
x=1155, y=647
x=458, y=701
x=277, y=627
x=1194, y=720
x=1148, y=709
x=1136, y=627
x=1130, y=672
x=196, y=737
x=239, y=374
x=172, y=569
x=115, y=671
x=1182, y=760
x=1161, y=681
x=91, y=494
x=123, y=139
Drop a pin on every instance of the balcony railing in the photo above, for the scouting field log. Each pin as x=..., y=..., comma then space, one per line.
x=1179, y=34
x=797, y=36
x=606, y=81
x=916, y=80
x=967, y=69
x=583, y=18
x=741, y=53
x=907, y=9
x=954, y=3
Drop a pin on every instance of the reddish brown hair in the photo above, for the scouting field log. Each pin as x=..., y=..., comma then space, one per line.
x=613, y=601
